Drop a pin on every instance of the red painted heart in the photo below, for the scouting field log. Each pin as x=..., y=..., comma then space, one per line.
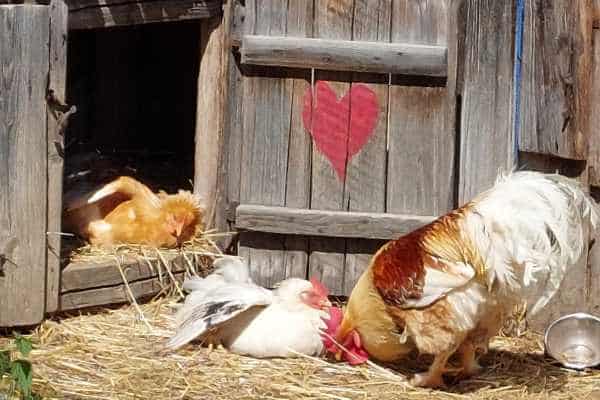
x=340, y=129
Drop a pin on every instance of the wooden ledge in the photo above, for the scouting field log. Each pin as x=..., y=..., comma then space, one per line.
x=345, y=55
x=297, y=221
x=87, y=284
x=84, y=275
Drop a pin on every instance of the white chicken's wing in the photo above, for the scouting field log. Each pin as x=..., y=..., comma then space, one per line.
x=217, y=306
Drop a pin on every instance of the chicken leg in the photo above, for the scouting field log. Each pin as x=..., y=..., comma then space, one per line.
x=468, y=359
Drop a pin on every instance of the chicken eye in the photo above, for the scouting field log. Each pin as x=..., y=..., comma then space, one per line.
x=307, y=296
x=310, y=298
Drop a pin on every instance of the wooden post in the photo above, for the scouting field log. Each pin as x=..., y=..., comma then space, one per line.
x=210, y=114
x=57, y=119
x=24, y=40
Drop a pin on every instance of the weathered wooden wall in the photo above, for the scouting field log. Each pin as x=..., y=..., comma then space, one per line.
x=24, y=46
x=406, y=161
x=436, y=143
x=413, y=162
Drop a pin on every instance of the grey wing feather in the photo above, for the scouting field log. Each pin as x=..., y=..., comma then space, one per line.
x=220, y=305
x=205, y=318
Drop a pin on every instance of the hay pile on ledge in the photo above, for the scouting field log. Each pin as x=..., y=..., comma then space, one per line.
x=203, y=245
x=112, y=355
x=193, y=257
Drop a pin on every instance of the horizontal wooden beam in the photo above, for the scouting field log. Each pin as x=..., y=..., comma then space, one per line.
x=112, y=294
x=93, y=14
x=345, y=55
x=297, y=221
x=86, y=275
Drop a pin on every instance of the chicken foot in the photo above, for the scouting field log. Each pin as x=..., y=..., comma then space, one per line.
x=433, y=377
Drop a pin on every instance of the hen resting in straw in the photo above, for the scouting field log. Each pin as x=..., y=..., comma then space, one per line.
x=226, y=308
x=448, y=286
x=126, y=211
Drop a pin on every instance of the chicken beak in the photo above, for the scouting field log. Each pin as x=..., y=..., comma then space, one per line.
x=178, y=229
x=339, y=355
x=325, y=303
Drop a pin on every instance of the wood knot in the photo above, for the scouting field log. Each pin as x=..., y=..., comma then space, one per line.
x=8, y=245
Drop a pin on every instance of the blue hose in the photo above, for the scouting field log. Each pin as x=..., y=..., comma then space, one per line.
x=519, y=23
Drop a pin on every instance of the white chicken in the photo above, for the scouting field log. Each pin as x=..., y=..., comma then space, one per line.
x=226, y=308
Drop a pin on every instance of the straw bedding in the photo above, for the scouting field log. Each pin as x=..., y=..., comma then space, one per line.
x=112, y=355
x=118, y=353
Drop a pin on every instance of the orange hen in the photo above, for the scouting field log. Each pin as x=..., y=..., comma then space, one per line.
x=126, y=211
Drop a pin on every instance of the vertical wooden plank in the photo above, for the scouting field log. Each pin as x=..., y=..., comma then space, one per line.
x=299, y=24
x=594, y=133
x=24, y=50
x=212, y=92
x=233, y=122
x=592, y=291
x=266, y=126
x=486, y=143
x=58, y=82
x=557, y=66
x=365, y=180
x=333, y=20
x=422, y=136
x=592, y=287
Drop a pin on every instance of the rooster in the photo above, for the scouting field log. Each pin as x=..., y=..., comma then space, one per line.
x=127, y=211
x=447, y=287
x=226, y=308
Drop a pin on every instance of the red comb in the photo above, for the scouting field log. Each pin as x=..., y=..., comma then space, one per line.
x=319, y=287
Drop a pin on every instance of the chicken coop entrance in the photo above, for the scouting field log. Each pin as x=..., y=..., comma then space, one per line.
x=135, y=90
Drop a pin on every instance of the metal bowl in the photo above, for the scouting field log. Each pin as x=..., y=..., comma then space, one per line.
x=574, y=340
